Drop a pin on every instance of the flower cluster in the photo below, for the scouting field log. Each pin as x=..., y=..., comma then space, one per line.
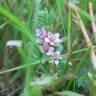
x=48, y=43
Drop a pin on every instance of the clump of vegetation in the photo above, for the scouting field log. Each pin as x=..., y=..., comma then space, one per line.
x=47, y=48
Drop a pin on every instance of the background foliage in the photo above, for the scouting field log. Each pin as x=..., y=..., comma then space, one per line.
x=25, y=71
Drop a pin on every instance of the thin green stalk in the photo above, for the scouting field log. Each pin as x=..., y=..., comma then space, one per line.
x=37, y=8
x=59, y=5
x=69, y=30
x=28, y=6
x=21, y=51
x=92, y=89
x=77, y=51
x=18, y=68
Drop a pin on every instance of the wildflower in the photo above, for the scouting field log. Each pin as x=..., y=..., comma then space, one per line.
x=52, y=39
x=48, y=43
x=50, y=51
x=47, y=49
x=56, y=58
x=17, y=43
x=41, y=32
x=56, y=62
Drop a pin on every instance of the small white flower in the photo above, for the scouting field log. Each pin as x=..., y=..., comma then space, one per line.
x=53, y=61
x=56, y=62
x=57, y=39
x=11, y=43
x=55, y=58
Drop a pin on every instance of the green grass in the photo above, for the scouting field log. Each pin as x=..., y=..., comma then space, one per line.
x=27, y=68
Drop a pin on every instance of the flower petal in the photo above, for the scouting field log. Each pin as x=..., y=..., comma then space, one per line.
x=56, y=35
x=56, y=62
x=50, y=51
x=49, y=34
x=11, y=43
x=41, y=32
x=47, y=40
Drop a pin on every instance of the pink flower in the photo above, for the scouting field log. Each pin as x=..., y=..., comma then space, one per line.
x=45, y=48
x=52, y=39
x=50, y=51
x=47, y=43
x=41, y=32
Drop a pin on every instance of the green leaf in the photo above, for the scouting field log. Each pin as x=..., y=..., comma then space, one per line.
x=44, y=81
x=35, y=91
x=3, y=25
x=68, y=93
